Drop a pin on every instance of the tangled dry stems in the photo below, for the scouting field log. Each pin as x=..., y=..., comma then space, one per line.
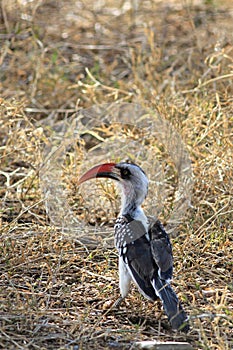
x=54, y=291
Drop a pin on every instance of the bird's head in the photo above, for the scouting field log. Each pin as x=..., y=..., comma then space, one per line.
x=130, y=177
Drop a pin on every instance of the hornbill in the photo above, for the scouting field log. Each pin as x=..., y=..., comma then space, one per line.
x=145, y=251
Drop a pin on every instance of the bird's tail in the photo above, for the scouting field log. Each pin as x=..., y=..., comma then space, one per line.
x=176, y=314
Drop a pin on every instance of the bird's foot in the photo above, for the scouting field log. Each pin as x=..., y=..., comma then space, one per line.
x=109, y=305
x=118, y=302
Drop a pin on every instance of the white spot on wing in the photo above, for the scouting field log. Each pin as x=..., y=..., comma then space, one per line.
x=124, y=250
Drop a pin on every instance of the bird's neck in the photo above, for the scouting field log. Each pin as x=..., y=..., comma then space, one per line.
x=134, y=210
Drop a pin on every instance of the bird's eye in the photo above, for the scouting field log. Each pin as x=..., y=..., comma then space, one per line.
x=125, y=173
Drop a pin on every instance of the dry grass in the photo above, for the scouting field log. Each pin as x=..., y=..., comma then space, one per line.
x=56, y=57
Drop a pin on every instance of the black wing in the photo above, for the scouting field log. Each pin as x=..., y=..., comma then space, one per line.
x=161, y=250
x=134, y=247
x=140, y=262
x=162, y=253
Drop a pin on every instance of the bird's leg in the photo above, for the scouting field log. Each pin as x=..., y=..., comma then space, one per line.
x=118, y=302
